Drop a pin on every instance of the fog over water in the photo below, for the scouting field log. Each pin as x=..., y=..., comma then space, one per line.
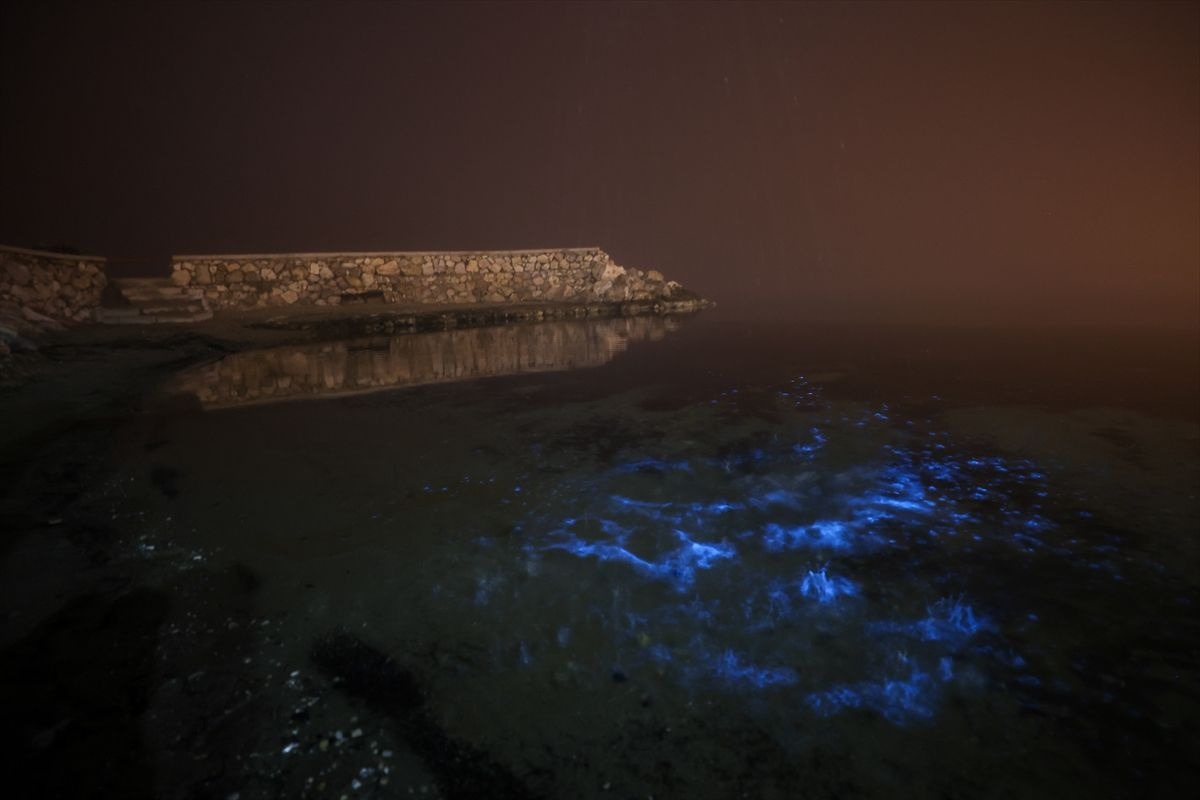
x=1017, y=163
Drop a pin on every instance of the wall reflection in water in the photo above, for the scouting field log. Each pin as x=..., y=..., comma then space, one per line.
x=370, y=364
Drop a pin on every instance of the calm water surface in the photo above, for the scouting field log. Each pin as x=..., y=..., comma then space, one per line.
x=660, y=558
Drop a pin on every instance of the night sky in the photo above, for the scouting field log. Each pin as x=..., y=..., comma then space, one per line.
x=1015, y=162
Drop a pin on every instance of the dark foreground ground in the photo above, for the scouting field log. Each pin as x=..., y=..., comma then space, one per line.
x=241, y=603
x=82, y=633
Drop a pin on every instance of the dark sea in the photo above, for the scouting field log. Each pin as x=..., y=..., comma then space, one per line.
x=631, y=558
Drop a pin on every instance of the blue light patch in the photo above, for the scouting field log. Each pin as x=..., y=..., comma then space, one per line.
x=654, y=465
x=898, y=701
x=713, y=573
x=677, y=567
x=828, y=534
x=730, y=669
x=949, y=620
x=819, y=586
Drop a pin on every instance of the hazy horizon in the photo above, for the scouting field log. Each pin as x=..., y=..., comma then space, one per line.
x=966, y=163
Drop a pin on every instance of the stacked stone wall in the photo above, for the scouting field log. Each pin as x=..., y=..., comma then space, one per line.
x=64, y=287
x=513, y=276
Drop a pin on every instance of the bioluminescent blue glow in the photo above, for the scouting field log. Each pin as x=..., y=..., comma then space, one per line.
x=730, y=669
x=947, y=620
x=739, y=570
x=825, y=589
x=816, y=442
x=824, y=534
x=653, y=465
x=676, y=566
x=897, y=700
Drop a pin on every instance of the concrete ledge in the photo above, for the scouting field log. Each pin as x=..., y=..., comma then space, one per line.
x=382, y=254
x=25, y=251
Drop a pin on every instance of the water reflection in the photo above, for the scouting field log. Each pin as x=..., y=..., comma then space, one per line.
x=371, y=364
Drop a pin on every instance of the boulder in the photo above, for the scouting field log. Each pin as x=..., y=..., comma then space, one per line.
x=18, y=274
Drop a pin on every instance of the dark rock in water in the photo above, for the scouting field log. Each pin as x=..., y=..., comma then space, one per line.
x=461, y=770
x=619, y=676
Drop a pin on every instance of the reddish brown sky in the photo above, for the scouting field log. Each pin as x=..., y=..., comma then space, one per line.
x=1007, y=162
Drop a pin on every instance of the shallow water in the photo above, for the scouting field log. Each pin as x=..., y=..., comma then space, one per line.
x=659, y=558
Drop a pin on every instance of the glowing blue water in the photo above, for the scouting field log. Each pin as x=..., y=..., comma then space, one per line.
x=897, y=699
x=824, y=588
x=805, y=568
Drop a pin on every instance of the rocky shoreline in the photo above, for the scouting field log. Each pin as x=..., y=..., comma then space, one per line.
x=48, y=300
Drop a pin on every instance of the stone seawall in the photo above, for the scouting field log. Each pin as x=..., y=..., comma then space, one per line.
x=64, y=287
x=511, y=276
x=372, y=364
